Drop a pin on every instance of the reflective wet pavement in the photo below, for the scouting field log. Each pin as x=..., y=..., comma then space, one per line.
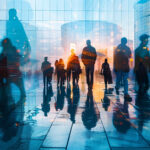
x=75, y=119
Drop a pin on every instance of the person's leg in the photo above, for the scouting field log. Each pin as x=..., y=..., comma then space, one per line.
x=87, y=75
x=68, y=75
x=139, y=81
x=92, y=76
x=125, y=82
x=58, y=78
x=61, y=78
x=118, y=79
x=49, y=79
x=74, y=78
x=77, y=78
x=44, y=80
x=146, y=82
x=105, y=81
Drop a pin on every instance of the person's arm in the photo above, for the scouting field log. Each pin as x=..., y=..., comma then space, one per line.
x=95, y=54
x=82, y=55
x=130, y=53
x=115, y=59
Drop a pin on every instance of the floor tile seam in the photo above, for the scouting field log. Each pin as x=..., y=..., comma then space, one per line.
x=69, y=136
x=52, y=147
x=104, y=128
x=129, y=147
x=49, y=129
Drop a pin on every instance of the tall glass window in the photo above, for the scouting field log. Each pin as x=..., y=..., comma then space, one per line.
x=52, y=27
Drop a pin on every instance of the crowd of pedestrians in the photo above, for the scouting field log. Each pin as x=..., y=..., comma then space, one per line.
x=122, y=55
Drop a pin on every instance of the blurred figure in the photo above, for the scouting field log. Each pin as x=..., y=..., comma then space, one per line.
x=73, y=67
x=59, y=105
x=61, y=73
x=56, y=70
x=107, y=73
x=121, y=66
x=12, y=56
x=11, y=112
x=90, y=115
x=45, y=69
x=142, y=63
x=15, y=32
x=56, y=67
x=121, y=117
x=47, y=94
x=88, y=57
x=73, y=102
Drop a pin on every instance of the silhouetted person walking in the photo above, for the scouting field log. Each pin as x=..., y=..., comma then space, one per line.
x=121, y=66
x=142, y=63
x=45, y=66
x=89, y=56
x=73, y=67
x=61, y=72
x=106, y=72
x=56, y=67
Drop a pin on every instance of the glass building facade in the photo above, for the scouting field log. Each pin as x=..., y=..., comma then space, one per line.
x=142, y=19
x=53, y=27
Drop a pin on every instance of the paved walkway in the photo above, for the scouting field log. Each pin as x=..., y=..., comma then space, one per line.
x=77, y=119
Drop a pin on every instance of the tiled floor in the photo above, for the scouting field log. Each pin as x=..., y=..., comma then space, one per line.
x=76, y=119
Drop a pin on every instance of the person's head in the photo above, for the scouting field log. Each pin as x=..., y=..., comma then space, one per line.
x=12, y=14
x=61, y=60
x=124, y=41
x=45, y=58
x=6, y=43
x=144, y=39
x=88, y=43
x=106, y=60
x=72, y=52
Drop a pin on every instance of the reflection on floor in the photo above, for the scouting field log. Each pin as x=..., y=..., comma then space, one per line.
x=72, y=118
